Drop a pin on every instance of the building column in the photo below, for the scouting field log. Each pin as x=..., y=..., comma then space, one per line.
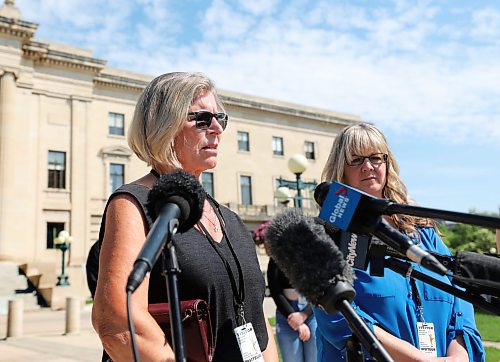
x=79, y=180
x=9, y=146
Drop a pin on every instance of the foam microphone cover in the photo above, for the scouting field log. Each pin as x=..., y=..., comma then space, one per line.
x=182, y=189
x=321, y=191
x=306, y=254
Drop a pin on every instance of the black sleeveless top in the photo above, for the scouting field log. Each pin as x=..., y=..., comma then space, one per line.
x=204, y=276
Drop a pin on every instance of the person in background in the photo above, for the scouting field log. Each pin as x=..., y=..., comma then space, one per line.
x=414, y=321
x=295, y=322
x=178, y=125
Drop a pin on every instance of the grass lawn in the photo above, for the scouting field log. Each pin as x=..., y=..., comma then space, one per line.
x=488, y=325
x=492, y=354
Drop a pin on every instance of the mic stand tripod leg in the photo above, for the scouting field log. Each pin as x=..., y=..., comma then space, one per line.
x=170, y=271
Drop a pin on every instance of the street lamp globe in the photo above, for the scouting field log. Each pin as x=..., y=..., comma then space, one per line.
x=282, y=194
x=297, y=164
x=63, y=236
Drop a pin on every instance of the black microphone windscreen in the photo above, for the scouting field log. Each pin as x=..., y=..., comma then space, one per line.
x=480, y=272
x=182, y=189
x=306, y=254
x=321, y=191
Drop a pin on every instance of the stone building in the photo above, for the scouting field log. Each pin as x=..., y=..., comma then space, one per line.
x=64, y=116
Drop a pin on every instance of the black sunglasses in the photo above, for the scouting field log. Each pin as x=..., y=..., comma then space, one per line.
x=204, y=119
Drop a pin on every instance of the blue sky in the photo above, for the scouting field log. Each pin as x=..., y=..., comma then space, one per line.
x=426, y=72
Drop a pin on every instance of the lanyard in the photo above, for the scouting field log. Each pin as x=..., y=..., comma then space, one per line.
x=239, y=295
x=418, y=300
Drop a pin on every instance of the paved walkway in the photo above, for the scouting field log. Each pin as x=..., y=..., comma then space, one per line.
x=44, y=340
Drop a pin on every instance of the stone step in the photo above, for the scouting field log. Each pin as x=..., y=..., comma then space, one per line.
x=15, y=285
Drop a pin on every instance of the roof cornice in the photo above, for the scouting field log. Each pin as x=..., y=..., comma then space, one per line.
x=120, y=82
x=17, y=28
x=41, y=54
x=288, y=109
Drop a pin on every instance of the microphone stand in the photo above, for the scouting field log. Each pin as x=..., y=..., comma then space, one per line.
x=460, y=217
x=170, y=271
x=378, y=262
x=406, y=269
x=338, y=298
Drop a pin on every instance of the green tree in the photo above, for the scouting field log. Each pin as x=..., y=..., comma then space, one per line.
x=461, y=237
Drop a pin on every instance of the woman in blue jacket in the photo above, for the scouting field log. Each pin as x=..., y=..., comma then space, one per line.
x=413, y=320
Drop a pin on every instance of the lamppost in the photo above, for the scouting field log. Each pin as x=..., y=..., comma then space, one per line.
x=63, y=242
x=297, y=164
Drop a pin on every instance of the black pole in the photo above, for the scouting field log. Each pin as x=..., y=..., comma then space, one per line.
x=170, y=271
x=337, y=298
x=403, y=268
x=460, y=217
x=363, y=333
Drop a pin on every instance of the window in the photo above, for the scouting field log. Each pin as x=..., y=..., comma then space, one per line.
x=246, y=190
x=57, y=170
x=309, y=150
x=53, y=229
x=116, y=123
x=116, y=176
x=278, y=146
x=207, y=180
x=243, y=141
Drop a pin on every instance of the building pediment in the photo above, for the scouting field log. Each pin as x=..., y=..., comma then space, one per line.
x=116, y=151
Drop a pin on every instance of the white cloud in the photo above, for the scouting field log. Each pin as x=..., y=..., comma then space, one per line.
x=411, y=67
x=486, y=23
x=259, y=7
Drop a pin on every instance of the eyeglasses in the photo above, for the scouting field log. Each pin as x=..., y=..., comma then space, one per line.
x=375, y=159
x=204, y=119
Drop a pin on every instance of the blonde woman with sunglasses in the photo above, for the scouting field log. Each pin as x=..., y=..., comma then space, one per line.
x=178, y=124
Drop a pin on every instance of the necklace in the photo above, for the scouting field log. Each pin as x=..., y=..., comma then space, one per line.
x=214, y=225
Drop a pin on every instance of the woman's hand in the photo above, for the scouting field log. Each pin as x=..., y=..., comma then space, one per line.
x=304, y=332
x=457, y=352
x=296, y=319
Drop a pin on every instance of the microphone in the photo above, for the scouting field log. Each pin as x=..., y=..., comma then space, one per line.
x=355, y=211
x=477, y=272
x=389, y=207
x=310, y=259
x=316, y=267
x=354, y=247
x=175, y=203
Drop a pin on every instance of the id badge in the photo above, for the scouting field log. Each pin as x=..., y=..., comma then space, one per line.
x=427, y=338
x=247, y=341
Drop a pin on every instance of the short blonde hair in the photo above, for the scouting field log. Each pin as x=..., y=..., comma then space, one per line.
x=160, y=114
x=364, y=139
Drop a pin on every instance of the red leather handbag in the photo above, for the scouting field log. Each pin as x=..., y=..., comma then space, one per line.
x=196, y=324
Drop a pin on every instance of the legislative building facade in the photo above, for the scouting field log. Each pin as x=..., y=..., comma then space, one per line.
x=64, y=117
